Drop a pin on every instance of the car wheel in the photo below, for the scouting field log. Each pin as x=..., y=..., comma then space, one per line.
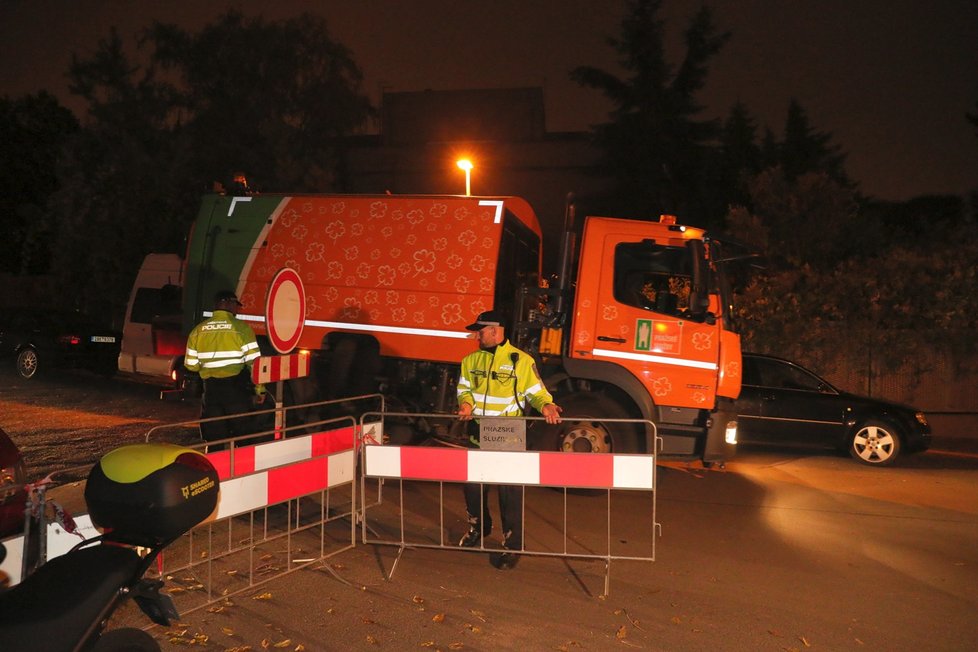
x=875, y=443
x=27, y=362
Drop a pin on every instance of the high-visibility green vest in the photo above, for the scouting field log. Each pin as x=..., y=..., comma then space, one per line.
x=496, y=387
x=221, y=347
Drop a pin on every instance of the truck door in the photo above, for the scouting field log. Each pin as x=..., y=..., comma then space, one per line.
x=642, y=319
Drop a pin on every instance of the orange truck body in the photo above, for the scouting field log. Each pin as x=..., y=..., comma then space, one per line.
x=394, y=279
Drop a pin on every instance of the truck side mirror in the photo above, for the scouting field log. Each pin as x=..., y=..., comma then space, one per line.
x=699, y=299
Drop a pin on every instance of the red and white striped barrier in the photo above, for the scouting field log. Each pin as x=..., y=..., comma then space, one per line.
x=273, y=368
x=266, y=474
x=263, y=475
x=585, y=470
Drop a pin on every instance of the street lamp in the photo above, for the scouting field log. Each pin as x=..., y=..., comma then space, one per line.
x=466, y=164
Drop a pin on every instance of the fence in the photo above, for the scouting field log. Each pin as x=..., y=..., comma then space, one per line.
x=413, y=467
x=298, y=491
x=289, y=503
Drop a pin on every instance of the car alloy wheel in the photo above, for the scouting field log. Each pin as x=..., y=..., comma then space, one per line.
x=875, y=443
x=27, y=362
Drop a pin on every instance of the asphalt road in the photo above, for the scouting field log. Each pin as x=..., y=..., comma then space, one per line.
x=779, y=551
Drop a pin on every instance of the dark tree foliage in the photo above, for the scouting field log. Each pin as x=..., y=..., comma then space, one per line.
x=805, y=149
x=973, y=118
x=655, y=148
x=33, y=130
x=740, y=155
x=270, y=99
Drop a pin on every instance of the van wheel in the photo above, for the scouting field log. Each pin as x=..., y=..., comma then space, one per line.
x=27, y=361
x=583, y=431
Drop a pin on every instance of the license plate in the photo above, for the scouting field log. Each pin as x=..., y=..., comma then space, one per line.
x=108, y=339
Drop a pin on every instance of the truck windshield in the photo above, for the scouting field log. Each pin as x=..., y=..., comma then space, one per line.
x=653, y=277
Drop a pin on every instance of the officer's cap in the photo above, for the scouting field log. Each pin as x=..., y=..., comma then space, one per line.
x=488, y=318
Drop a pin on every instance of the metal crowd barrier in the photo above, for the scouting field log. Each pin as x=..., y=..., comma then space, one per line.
x=625, y=477
x=286, y=504
x=292, y=502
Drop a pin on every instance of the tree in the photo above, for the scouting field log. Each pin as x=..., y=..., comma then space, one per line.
x=654, y=146
x=270, y=98
x=806, y=150
x=274, y=99
x=740, y=155
x=33, y=130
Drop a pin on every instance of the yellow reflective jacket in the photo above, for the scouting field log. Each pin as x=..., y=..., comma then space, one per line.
x=221, y=347
x=495, y=386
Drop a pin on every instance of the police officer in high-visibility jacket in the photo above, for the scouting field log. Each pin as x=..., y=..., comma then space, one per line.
x=498, y=380
x=223, y=349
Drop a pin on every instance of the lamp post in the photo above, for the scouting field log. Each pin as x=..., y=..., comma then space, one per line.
x=466, y=165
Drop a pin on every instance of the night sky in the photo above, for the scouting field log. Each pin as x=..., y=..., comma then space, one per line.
x=890, y=79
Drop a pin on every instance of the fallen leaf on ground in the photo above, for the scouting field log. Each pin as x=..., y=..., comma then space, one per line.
x=622, y=633
x=262, y=596
x=438, y=618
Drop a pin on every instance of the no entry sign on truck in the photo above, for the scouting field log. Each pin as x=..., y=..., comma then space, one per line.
x=285, y=310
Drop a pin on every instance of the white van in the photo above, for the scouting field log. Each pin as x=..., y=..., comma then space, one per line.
x=152, y=343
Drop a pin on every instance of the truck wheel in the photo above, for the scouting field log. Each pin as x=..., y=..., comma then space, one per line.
x=582, y=430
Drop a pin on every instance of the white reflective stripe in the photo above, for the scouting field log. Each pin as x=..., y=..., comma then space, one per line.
x=658, y=359
x=532, y=390
x=226, y=353
x=192, y=352
x=217, y=364
x=495, y=400
x=497, y=409
x=371, y=328
x=252, y=356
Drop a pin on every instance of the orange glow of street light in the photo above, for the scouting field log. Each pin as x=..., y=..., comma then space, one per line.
x=466, y=165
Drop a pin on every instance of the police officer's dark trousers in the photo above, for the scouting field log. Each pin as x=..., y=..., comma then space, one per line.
x=510, y=506
x=222, y=397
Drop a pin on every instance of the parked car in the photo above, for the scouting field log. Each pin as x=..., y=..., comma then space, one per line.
x=13, y=495
x=782, y=403
x=39, y=340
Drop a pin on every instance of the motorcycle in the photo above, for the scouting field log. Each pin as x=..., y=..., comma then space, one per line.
x=142, y=497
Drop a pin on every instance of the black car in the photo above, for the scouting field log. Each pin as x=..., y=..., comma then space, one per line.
x=38, y=340
x=784, y=404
